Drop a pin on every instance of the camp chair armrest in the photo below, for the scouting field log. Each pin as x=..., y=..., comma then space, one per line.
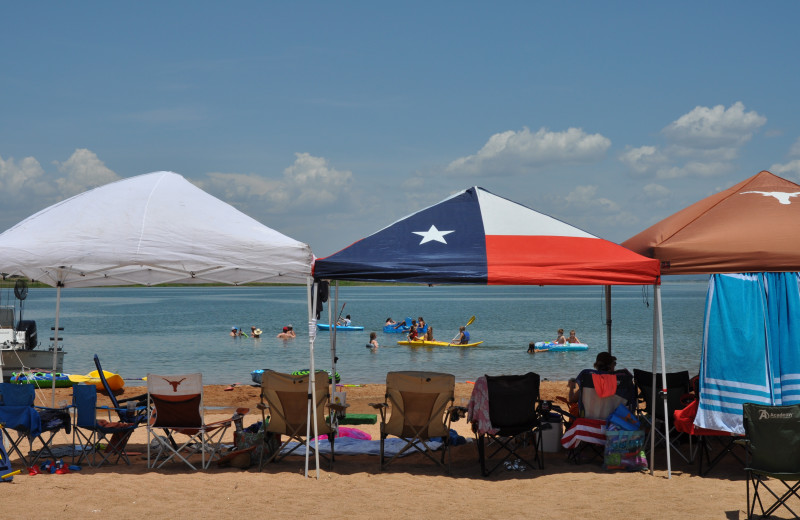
x=262, y=406
x=378, y=406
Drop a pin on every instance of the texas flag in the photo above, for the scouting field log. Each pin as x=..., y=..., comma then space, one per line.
x=477, y=237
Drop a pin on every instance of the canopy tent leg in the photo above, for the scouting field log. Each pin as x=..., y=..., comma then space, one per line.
x=608, y=316
x=312, y=392
x=658, y=341
x=55, y=340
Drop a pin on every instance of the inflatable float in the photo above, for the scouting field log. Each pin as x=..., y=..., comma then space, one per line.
x=403, y=326
x=115, y=381
x=423, y=343
x=325, y=326
x=257, y=375
x=41, y=379
x=552, y=346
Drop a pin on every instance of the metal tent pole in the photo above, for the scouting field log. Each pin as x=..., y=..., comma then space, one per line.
x=312, y=391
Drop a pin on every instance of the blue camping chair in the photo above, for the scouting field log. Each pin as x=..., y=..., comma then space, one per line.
x=18, y=414
x=89, y=431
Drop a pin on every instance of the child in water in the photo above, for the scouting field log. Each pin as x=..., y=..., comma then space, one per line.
x=560, y=340
x=373, y=341
x=572, y=337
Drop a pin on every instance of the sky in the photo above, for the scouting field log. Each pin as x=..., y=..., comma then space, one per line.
x=328, y=121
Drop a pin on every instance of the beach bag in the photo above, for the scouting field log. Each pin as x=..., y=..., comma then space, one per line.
x=622, y=419
x=625, y=450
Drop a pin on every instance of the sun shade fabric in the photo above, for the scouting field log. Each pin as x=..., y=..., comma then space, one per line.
x=150, y=229
x=476, y=237
x=750, y=227
x=749, y=347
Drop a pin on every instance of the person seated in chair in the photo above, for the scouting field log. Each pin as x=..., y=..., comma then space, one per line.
x=604, y=363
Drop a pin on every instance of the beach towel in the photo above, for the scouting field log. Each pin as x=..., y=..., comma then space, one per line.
x=783, y=313
x=734, y=366
x=351, y=446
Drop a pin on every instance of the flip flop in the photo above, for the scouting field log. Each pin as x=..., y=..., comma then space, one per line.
x=234, y=385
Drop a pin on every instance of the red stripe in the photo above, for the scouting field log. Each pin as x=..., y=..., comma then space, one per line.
x=548, y=260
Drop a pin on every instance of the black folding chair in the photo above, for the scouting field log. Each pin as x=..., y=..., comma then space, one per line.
x=677, y=389
x=772, y=436
x=514, y=410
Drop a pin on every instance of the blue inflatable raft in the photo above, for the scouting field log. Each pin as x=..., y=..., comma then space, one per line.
x=552, y=346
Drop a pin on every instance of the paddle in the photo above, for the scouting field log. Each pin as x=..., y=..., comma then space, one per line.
x=340, y=314
x=469, y=322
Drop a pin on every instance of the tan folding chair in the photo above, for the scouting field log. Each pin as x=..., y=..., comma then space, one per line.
x=419, y=408
x=178, y=410
x=285, y=398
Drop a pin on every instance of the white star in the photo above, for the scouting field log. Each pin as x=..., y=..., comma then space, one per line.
x=432, y=234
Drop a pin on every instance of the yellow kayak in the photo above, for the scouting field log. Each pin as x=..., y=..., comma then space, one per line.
x=423, y=343
x=115, y=381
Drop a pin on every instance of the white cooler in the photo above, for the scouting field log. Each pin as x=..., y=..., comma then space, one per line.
x=551, y=437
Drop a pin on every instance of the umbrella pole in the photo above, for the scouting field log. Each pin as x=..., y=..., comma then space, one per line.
x=312, y=391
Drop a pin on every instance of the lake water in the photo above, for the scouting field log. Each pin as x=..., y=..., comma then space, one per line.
x=186, y=329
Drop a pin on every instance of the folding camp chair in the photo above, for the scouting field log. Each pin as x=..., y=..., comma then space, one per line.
x=772, y=436
x=677, y=389
x=178, y=409
x=287, y=397
x=417, y=408
x=718, y=443
x=514, y=418
x=34, y=423
x=89, y=432
x=131, y=409
x=587, y=432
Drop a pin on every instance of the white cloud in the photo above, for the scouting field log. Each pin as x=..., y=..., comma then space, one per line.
x=23, y=178
x=693, y=169
x=83, y=171
x=794, y=151
x=585, y=197
x=642, y=159
x=791, y=168
x=513, y=152
x=714, y=128
x=308, y=181
x=656, y=191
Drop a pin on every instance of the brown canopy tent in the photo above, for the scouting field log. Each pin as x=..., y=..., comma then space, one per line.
x=750, y=227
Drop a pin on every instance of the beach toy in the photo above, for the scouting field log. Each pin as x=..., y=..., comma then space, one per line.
x=8, y=477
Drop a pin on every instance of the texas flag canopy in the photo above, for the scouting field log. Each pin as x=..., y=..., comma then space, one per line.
x=476, y=237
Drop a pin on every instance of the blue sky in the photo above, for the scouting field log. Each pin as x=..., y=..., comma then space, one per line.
x=330, y=120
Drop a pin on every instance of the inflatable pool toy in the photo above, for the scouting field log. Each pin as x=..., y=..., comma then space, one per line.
x=401, y=326
x=115, y=381
x=257, y=375
x=424, y=343
x=325, y=326
x=552, y=346
x=41, y=379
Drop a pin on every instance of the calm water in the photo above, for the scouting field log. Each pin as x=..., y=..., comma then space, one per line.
x=172, y=330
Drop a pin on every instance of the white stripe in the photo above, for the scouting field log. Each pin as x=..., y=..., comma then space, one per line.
x=504, y=217
x=737, y=384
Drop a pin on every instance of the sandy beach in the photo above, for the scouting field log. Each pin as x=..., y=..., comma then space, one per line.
x=412, y=487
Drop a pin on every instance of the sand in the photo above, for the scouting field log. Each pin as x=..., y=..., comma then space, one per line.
x=412, y=487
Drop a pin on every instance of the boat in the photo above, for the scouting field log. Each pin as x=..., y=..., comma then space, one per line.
x=115, y=381
x=41, y=379
x=19, y=343
x=425, y=343
x=552, y=346
x=325, y=326
x=258, y=375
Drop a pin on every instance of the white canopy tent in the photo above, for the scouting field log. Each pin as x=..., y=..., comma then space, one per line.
x=153, y=229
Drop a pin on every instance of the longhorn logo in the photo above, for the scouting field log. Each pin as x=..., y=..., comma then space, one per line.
x=174, y=383
x=781, y=196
